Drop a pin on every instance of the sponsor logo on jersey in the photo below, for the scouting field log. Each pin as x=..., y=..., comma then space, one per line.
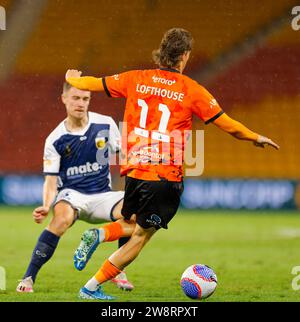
x=84, y=169
x=213, y=103
x=68, y=151
x=163, y=80
x=148, y=154
x=100, y=142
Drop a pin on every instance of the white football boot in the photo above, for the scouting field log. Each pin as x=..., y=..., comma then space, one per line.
x=25, y=285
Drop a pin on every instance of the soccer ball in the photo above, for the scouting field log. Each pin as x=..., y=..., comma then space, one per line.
x=198, y=281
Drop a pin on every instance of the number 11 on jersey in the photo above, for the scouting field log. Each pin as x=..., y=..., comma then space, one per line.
x=163, y=124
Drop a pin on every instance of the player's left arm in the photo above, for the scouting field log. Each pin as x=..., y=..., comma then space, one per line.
x=241, y=132
x=88, y=83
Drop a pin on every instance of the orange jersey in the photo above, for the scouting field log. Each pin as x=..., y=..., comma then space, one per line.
x=157, y=120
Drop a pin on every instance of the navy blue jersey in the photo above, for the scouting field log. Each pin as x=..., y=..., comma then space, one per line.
x=81, y=159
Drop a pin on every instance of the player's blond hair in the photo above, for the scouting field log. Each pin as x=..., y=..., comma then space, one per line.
x=66, y=87
x=174, y=44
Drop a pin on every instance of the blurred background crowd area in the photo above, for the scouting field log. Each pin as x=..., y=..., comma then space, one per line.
x=246, y=53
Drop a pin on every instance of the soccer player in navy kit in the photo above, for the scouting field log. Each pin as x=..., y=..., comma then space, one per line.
x=77, y=181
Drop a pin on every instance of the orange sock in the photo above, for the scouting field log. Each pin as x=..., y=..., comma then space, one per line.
x=113, y=231
x=106, y=272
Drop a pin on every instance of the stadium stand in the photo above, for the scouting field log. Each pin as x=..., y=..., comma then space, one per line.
x=99, y=39
x=272, y=116
x=261, y=90
x=6, y=4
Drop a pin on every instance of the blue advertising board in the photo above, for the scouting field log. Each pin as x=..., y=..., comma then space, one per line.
x=198, y=193
x=21, y=190
x=240, y=194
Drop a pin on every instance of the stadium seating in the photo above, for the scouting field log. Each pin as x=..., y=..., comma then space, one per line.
x=6, y=4
x=107, y=38
x=285, y=37
x=276, y=118
x=32, y=109
x=270, y=70
x=261, y=91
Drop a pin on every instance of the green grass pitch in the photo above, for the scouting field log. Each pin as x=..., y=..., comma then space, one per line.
x=252, y=253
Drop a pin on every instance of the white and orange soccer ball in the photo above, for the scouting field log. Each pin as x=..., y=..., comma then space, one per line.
x=198, y=281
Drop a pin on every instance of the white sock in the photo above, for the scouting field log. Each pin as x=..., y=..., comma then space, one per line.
x=101, y=234
x=92, y=284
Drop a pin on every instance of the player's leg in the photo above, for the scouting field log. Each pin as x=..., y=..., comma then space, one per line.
x=63, y=218
x=126, y=254
x=117, y=214
x=91, y=238
x=116, y=263
x=102, y=207
x=155, y=204
x=121, y=280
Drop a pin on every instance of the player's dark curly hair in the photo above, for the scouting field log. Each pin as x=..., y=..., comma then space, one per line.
x=174, y=44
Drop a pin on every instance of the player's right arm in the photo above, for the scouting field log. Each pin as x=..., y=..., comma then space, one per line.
x=88, y=83
x=51, y=172
x=49, y=193
x=114, y=86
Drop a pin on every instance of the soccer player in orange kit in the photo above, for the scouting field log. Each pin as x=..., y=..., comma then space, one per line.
x=159, y=102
